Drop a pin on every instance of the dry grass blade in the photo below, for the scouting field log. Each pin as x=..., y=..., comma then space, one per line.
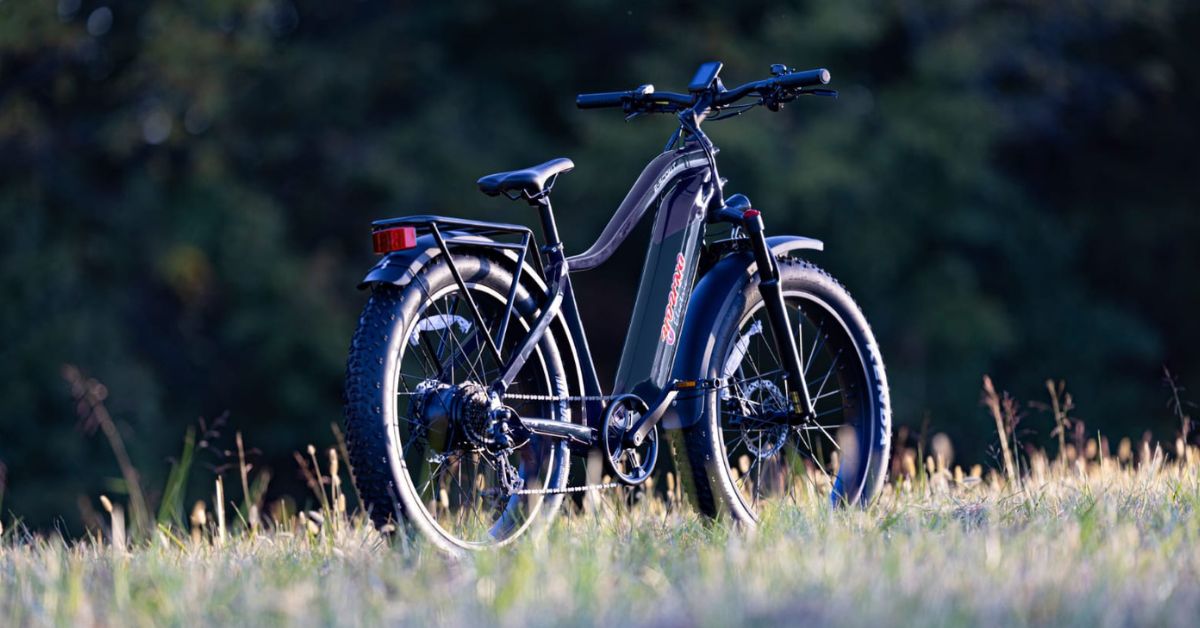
x=251, y=508
x=219, y=506
x=995, y=405
x=89, y=403
x=3, y=486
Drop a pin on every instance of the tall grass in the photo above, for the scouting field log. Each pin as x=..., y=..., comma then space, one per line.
x=1089, y=537
x=1092, y=542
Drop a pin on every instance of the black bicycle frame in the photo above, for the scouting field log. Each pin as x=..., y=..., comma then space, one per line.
x=682, y=181
x=684, y=185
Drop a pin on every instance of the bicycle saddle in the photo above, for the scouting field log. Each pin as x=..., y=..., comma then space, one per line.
x=529, y=182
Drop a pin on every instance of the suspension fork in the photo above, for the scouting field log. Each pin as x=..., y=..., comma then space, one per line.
x=768, y=286
x=781, y=327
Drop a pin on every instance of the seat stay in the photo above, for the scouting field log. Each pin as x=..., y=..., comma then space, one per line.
x=462, y=285
x=550, y=309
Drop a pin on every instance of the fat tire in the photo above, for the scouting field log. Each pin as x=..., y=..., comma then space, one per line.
x=375, y=469
x=700, y=450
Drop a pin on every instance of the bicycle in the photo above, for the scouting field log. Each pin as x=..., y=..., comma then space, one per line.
x=470, y=383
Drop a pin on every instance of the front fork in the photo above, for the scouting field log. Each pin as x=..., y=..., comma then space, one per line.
x=781, y=327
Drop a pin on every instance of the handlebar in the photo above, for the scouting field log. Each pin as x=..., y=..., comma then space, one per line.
x=601, y=99
x=648, y=101
x=634, y=97
x=807, y=78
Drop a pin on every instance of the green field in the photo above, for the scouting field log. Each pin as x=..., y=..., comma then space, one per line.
x=1109, y=543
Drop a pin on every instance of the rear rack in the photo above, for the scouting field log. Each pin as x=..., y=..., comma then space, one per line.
x=450, y=231
x=430, y=223
x=447, y=232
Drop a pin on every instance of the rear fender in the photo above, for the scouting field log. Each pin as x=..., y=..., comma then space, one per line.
x=722, y=287
x=400, y=267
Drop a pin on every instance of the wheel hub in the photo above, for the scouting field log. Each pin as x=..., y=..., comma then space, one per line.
x=468, y=408
x=471, y=410
x=764, y=440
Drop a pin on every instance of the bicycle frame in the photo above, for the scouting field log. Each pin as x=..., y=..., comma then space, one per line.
x=684, y=185
x=667, y=279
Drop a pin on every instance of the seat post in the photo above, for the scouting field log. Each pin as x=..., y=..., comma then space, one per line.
x=549, y=228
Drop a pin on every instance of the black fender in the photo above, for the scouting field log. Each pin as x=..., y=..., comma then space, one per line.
x=716, y=291
x=399, y=267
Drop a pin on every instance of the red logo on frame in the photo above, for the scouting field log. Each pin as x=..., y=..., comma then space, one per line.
x=671, y=318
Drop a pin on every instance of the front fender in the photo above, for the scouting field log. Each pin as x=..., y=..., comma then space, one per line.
x=722, y=287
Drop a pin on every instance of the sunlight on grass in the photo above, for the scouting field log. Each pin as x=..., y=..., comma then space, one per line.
x=1109, y=542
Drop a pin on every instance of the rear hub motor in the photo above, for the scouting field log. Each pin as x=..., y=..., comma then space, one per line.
x=466, y=413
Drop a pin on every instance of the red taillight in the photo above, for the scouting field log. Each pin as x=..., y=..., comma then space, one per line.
x=394, y=239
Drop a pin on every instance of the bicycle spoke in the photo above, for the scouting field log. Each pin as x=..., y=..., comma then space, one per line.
x=829, y=372
x=815, y=458
x=459, y=482
x=818, y=342
x=773, y=453
x=833, y=440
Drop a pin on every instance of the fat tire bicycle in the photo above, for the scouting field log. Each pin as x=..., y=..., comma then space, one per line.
x=470, y=383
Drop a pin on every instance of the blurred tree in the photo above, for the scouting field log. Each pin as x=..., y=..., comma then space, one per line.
x=185, y=188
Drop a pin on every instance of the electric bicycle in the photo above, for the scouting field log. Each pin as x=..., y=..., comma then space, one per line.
x=470, y=383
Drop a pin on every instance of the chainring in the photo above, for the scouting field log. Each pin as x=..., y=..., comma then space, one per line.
x=632, y=465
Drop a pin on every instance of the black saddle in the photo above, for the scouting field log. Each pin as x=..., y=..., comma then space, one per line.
x=529, y=182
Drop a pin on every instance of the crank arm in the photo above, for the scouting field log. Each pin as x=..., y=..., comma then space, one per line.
x=577, y=434
x=639, y=431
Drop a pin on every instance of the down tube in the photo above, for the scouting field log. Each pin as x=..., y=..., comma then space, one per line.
x=665, y=289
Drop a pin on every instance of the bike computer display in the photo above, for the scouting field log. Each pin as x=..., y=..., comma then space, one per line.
x=705, y=76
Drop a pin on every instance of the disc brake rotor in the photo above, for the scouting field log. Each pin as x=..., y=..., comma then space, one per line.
x=764, y=440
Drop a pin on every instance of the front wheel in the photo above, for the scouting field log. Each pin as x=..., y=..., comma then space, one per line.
x=738, y=460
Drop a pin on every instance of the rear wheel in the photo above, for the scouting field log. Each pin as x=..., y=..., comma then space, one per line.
x=737, y=459
x=423, y=448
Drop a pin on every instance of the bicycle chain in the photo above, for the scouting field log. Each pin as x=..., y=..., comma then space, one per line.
x=606, y=485
x=569, y=489
x=524, y=397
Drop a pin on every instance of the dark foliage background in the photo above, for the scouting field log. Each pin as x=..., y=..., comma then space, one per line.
x=1007, y=188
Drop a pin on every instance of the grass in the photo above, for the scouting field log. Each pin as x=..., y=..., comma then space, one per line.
x=1109, y=542
x=1091, y=538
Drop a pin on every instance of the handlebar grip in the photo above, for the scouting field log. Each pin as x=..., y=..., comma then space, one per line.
x=600, y=100
x=807, y=78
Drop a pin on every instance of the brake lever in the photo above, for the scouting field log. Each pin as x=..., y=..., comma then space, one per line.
x=634, y=107
x=778, y=97
x=828, y=93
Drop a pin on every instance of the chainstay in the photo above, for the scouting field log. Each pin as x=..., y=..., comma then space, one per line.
x=698, y=385
x=524, y=397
